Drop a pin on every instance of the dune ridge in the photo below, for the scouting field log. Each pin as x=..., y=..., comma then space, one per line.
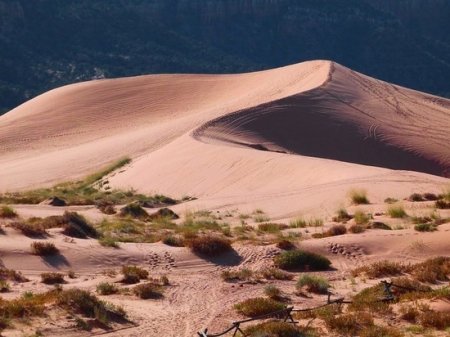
x=322, y=129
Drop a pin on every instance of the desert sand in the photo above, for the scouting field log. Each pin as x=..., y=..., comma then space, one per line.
x=290, y=141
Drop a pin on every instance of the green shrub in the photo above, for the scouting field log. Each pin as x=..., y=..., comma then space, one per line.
x=173, y=240
x=359, y=197
x=134, y=210
x=107, y=241
x=4, y=286
x=238, y=275
x=361, y=218
x=148, y=290
x=271, y=227
x=52, y=278
x=276, y=274
x=425, y=227
x=313, y=283
x=75, y=225
x=133, y=274
x=106, y=288
x=209, y=245
x=379, y=269
x=258, y=306
x=29, y=229
x=342, y=216
x=272, y=292
x=7, y=212
x=390, y=200
x=43, y=248
x=275, y=329
x=299, y=259
x=297, y=223
x=396, y=211
x=416, y=197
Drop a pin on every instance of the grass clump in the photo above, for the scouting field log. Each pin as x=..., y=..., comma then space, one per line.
x=358, y=197
x=286, y=244
x=390, y=200
x=173, y=240
x=271, y=227
x=272, y=292
x=258, y=306
x=12, y=275
x=297, y=223
x=356, y=229
x=75, y=225
x=276, y=274
x=303, y=260
x=7, y=212
x=342, y=216
x=4, y=286
x=135, y=211
x=361, y=217
x=52, y=278
x=87, y=304
x=106, y=288
x=209, y=245
x=313, y=283
x=237, y=275
x=275, y=329
x=380, y=225
x=148, y=290
x=380, y=269
x=416, y=197
x=133, y=274
x=442, y=204
x=336, y=230
x=432, y=270
x=107, y=241
x=397, y=211
x=350, y=324
x=425, y=227
x=43, y=248
x=435, y=319
x=30, y=229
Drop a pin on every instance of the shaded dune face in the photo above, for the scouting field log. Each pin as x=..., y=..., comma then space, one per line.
x=351, y=118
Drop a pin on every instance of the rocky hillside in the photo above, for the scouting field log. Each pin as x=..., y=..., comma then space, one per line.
x=48, y=43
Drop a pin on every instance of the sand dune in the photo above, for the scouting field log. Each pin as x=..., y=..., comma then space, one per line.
x=235, y=139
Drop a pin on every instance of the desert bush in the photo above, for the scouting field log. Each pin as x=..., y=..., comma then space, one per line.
x=369, y=300
x=349, y=324
x=297, y=223
x=435, y=319
x=12, y=275
x=409, y=313
x=275, y=329
x=358, y=197
x=272, y=292
x=396, y=211
x=173, y=240
x=313, y=283
x=286, y=244
x=416, y=197
x=237, y=275
x=380, y=225
x=361, y=217
x=299, y=259
x=336, y=230
x=430, y=196
x=133, y=274
x=315, y=222
x=106, y=288
x=270, y=227
x=442, y=204
x=43, y=248
x=258, y=306
x=379, y=269
x=75, y=225
x=425, y=227
x=4, y=286
x=164, y=280
x=355, y=229
x=148, y=290
x=106, y=207
x=87, y=304
x=276, y=274
x=134, y=210
x=342, y=216
x=108, y=241
x=7, y=212
x=390, y=201
x=380, y=331
x=29, y=229
x=432, y=270
x=209, y=245
x=52, y=278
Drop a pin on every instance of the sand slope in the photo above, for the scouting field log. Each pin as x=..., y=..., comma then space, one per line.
x=242, y=139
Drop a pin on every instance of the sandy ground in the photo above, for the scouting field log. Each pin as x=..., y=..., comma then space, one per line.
x=291, y=141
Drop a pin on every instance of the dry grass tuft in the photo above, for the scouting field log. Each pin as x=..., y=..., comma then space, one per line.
x=358, y=197
x=209, y=245
x=148, y=291
x=7, y=212
x=52, y=278
x=43, y=248
x=313, y=283
x=258, y=306
x=301, y=260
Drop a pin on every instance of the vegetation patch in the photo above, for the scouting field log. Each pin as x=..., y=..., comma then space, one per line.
x=237, y=275
x=12, y=275
x=258, y=306
x=31, y=229
x=356, y=229
x=336, y=230
x=133, y=274
x=396, y=211
x=75, y=225
x=106, y=288
x=425, y=227
x=298, y=223
x=173, y=240
x=301, y=260
x=276, y=329
x=361, y=217
x=313, y=283
x=148, y=291
x=380, y=225
x=52, y=278
x=380, y=269
x=350, y=324
x=43, y=248
x=276, y=274
x=7, y=212
x=134, y=210
x=358, y=197
x=286, y=244
x=209, y=245
x=271, y=227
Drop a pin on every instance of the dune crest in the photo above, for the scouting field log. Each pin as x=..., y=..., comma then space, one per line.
x=212, y=128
